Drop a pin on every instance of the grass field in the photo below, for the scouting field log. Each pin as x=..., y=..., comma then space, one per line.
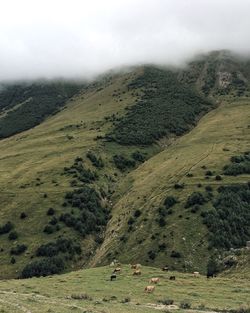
x=59, y=294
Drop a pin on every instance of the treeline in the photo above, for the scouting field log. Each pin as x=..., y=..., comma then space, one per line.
x=167, y=107
x=30, y=104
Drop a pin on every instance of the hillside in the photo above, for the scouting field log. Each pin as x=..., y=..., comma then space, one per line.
x=115, y=168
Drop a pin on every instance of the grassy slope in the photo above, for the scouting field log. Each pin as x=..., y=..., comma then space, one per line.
x=42, y=153
x=53, y=294
x=219, y=135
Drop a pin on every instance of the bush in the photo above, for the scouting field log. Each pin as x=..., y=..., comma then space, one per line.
x=175, y=254
x=170, y=201
x=166, y=301
x=19, y=249
x=61, y=245
x=123, y=163
x=13, y=235
x=195, y=198
x=50, y=211
x=23, y=215
x=218, y=177
x=138, y=156
x=12, y=260
x=96, y=161
x=48, y=229
x=151, y=255
x=6, y=228
x=178, y=186
x=137, y=213
x=209, y=173
x=239, y=165
x=44, y=267
x=185, y=304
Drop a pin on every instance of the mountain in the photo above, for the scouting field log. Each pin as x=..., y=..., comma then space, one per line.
x=150, y=165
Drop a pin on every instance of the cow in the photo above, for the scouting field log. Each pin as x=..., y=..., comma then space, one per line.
x=117, y=270
x=135, y=266
x=137, y=272
x=196, y=274
x=165, y=269
x=113, y=277
x=172, y=277
x=149, y=289
x=154, y=280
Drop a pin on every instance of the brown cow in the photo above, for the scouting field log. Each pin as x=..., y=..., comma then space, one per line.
x=165, y=268
x=149, y=289
x=154, y=280
x=137, y=272
x=117, y=270
x=135, y=266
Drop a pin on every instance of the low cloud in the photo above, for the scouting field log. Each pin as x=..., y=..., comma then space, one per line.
x=74, y=39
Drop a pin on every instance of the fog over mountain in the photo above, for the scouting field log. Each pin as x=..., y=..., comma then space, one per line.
x=76, y=38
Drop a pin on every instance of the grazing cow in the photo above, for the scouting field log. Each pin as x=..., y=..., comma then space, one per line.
x=113, y=277
x=210, y=275
x=117, y=270
x=149, y=289
x=165, y=268
x=196, y=274
x=154, y=280
x=137, y=272
x=135, y=266
x=172, y=277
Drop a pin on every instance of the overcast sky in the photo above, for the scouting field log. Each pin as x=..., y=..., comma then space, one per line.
x=72, y=38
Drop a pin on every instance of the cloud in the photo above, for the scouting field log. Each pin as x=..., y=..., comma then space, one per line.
x=76, y=38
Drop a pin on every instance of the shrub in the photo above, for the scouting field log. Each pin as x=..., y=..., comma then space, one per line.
x=161, y=221
x=50, y=211
x=195, y=209
x=23, y=215
x=137, y=213
x=209, y=173
x=218, y=177
x=6, y=228
x=239, y=165
x=167, y=301
x=13, y=235
x=185, y=304
x=151, y=255
x=44, y=267
x=170, y=201
x=138, y=156
x=162, y=246
x=12, y=260
x=96, y=161
x=123, y=163
x=48, y=229
x=19, y=249
x=61, y=245
x=208, y=188
x=175, y=254
x=178, y=186
x=195, y=198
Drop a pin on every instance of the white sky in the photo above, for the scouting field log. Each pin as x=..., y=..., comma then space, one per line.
x=80, y=38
